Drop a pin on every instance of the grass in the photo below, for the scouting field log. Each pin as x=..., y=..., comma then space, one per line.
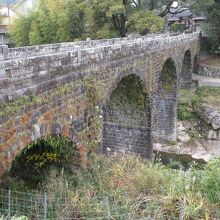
x=203, y=94
x=186, y=111
x=190, y=101
x=212, y=61
x=209, y=96
x=136, y=188
x=14, y=218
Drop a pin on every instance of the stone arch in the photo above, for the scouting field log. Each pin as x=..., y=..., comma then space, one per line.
x=37, y=131
x=165, y=103
x=127, y=118
x=186, y=71
x=118, y=79
x=55, y=145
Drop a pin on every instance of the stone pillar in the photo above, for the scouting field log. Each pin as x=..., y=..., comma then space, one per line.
x=3, y=56
x=3, y=52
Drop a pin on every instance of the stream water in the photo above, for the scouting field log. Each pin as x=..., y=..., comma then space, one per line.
x=177, y=161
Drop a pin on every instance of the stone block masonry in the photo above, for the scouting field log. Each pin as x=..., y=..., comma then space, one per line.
x=209, y=71
x=123, y=139
x=42, y=88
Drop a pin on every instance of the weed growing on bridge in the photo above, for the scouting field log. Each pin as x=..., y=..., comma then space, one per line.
x=33, y=164
x=89, y=137
x=128, y=104
x=167, y=80
x=14, y=107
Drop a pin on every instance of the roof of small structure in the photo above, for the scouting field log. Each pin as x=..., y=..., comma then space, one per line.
x=179, y=12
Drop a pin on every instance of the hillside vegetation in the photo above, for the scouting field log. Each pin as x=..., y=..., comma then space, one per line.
x=135, y=187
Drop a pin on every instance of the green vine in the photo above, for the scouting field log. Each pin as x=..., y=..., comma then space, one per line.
x=14, y=107
x=89, y=137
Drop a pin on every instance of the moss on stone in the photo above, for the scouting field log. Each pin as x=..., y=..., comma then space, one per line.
x=31, y=101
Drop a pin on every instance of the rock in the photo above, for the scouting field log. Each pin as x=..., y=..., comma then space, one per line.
x=209, y=71
x=157, y=146
x=180, y=127
x=212, y=146
x=213, y=135
x=216, y=122
x=210, y=115
x=183, y=137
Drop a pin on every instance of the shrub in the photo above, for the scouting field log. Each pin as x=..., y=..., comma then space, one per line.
x=207, y=181
x=34, y=162
x=185, y=112
x=186, y=104
x=139, y=187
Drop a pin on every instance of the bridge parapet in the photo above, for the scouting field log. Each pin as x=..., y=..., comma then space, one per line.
x=30, y=51
x=35, y=69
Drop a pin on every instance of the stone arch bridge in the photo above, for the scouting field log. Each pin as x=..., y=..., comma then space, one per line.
x=130, y=85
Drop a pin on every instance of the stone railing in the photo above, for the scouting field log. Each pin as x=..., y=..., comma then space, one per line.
x=23, y=72
x=31, y=51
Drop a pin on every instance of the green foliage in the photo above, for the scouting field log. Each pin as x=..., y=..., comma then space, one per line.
x=69, y=20
x=203, y=5
x=155, y=188
x=185, y=112
x=207, y=95
x=33, y=163
x=204, y=91
x=194, y=135
x=89, y=137
x=207, y=181
x=167, y=80
x=212, y=27
x=128, y=104
x=142, y=21
x=129, y=92
x=190, y=102
x=54, y=21
x=177, y=27
x=19, y=33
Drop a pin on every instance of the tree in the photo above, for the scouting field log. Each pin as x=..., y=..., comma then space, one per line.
x=53, y=21
x=118, y=14
x=98, y=20
x=69, y=20
x=19, y=33
x=144, y=22
x=127, y=13
x=213, y=25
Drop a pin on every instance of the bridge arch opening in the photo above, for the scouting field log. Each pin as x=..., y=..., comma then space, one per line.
x=127, y=119
x=35, y=162
x=165, y=104
x=186, y=72
x=195, y=64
